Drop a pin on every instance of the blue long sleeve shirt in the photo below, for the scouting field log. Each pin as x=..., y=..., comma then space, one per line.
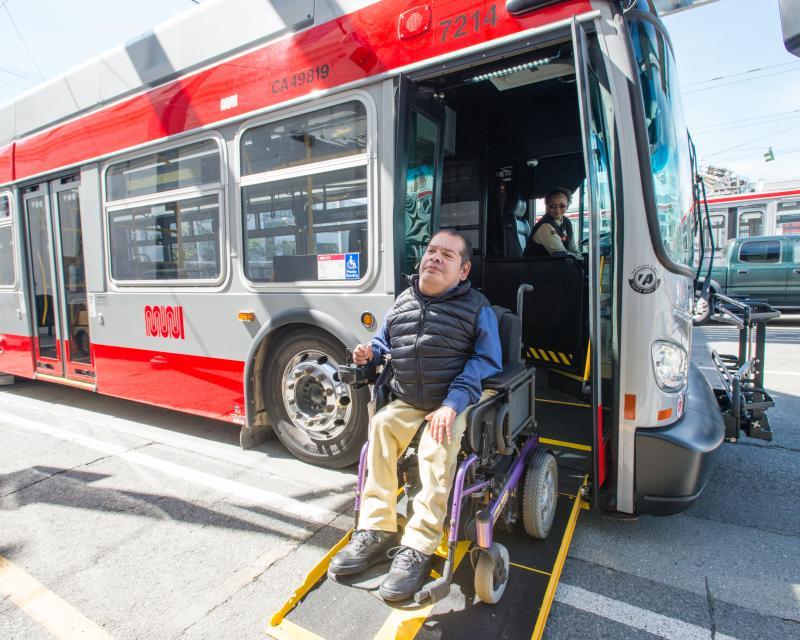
x=485, y=361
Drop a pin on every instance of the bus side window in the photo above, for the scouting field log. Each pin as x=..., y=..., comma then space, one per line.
x=158, y=233
x=302, y=219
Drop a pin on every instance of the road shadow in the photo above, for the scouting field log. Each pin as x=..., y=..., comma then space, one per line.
x=74, y=489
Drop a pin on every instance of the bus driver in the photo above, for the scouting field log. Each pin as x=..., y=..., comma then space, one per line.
x=552, y=235
x=443, y=339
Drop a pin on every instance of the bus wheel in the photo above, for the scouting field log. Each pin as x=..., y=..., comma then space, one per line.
x=539, y=493
x=318, y=418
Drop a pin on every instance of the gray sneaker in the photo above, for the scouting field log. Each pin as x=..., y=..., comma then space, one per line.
x=409, y=570
x=365, y=549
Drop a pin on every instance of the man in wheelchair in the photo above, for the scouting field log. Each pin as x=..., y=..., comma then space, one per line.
x=442, y=339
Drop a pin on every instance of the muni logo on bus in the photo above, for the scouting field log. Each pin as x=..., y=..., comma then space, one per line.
x=164, y=321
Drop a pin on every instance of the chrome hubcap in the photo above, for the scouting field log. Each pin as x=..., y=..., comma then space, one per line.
x=317, y=403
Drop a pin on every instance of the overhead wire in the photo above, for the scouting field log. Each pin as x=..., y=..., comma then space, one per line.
x=747, y=122
x=744, y=144
x=19, y=73
x=21, y=37
x=741, y=73
x=12, y=84
x=728, y=84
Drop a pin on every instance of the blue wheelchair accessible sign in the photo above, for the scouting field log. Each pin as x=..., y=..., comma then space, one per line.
x=351, y=270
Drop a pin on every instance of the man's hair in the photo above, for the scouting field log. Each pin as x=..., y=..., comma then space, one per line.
x=466, y=249
x=559, y=191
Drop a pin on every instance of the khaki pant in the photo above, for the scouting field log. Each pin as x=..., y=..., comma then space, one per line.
x=391, y=431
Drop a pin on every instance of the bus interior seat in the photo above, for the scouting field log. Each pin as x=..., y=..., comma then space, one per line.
x=44, y=312
x=516, y=228
x=476, y=271
x=555, y=330
x=294, y=268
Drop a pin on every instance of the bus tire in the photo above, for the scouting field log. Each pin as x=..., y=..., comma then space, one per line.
x=316, y=417
x=539, y=494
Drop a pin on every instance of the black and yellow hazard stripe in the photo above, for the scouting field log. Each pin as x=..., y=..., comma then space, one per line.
x=550, y=356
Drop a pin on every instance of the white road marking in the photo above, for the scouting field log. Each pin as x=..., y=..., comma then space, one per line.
x=632, y=616
x=287, y=469
x=45, y=607
x=287, y=505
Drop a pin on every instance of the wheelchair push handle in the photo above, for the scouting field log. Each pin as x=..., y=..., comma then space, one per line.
x=521, y=291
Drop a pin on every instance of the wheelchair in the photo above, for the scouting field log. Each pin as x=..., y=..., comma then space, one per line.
x=503, y=474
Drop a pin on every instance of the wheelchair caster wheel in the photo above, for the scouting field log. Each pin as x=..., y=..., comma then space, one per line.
x=539, y=494
x=491, y=574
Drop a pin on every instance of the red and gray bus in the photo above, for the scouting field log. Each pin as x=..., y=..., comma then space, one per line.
x=758, y=213
x=205, y=218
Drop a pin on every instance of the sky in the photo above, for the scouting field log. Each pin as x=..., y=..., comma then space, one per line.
x=741, y=88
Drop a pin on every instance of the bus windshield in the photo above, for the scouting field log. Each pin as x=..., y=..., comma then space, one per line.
x=667, y=139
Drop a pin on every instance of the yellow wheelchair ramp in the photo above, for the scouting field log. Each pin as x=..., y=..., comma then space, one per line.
x=324, y=609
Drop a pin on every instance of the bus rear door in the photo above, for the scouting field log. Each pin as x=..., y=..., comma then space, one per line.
x=58, y=301
x=15, y=339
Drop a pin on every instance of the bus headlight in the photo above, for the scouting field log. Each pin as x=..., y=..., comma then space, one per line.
x=670, y=365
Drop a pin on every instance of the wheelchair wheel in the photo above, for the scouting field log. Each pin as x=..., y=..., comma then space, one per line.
x=539, y=494
x=491, y=580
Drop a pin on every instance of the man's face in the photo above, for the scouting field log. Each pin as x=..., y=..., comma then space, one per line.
x=440, y=269
x=557, y=205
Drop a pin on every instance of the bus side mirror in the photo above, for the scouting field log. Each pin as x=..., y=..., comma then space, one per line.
x=790, y=21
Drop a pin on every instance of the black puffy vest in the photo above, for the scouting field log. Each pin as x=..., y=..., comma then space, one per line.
x=535, y=250
x=431, y=340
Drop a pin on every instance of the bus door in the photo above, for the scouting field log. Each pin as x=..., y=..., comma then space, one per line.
x=58, y=301
x=420, y=154
x=15, y=341
x=599, y=139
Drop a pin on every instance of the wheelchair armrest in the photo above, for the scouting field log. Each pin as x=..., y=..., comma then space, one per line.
x=498, y=419
x=508, y=377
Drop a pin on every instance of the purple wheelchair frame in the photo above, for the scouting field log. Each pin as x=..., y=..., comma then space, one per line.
x=486, y=517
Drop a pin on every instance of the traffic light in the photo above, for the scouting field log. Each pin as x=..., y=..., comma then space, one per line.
x=769, y=155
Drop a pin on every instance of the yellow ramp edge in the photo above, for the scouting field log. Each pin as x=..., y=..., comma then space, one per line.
x=311, y=579
x=555, y=577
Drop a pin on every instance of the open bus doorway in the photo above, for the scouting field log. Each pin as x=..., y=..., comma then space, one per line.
x=58, y=299
x=500, y=136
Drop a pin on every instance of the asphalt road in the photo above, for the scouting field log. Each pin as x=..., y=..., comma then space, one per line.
x=126, y=521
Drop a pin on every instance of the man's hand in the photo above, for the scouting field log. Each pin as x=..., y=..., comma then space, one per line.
x=441, y=423
x=362, y=354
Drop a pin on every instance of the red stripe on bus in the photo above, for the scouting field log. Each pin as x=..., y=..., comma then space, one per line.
x=746, y=197
x=601, y=449
x=210, y=387
x=7, y=163
x=16, y=355
x=358, y=45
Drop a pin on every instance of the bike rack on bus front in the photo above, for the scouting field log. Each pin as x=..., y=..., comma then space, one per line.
x=743, y=399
